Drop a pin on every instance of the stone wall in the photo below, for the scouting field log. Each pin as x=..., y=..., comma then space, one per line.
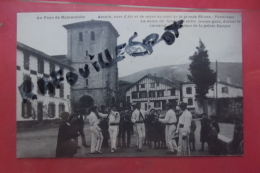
x=97, y=36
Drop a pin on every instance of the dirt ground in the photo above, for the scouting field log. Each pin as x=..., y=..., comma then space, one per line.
x=41, y=143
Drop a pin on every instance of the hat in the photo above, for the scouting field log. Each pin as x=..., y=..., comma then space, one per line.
x=113, y=105
x=183, y=104
x=169, y=104
x=64, y=115
x=134, y=104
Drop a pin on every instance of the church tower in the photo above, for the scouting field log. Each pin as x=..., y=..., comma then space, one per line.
x=85, y=40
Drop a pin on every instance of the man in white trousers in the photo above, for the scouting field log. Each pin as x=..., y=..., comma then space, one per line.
x=134, y=125
x=114, y=119
x=170, y=121
x=97, y=137
x=112, y=123
x=183, y=129
x=138, y=118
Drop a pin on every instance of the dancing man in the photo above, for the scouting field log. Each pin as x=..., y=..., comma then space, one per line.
x=170, y=122
x=97, y=137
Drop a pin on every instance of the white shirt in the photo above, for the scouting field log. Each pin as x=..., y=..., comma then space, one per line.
x=117, y=117
x=112, y=116
x=93, y=120
x=185, y=119
x=170, y=117
x=136, y=115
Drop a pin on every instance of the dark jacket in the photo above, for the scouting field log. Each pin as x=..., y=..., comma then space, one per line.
x=66, y=147
x=205, y=129
x=80, y=121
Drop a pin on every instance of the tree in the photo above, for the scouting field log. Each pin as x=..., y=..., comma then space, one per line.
x=201, y=75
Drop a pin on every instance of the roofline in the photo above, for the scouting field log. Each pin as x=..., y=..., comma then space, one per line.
x=142, y=79
x=230, y=85
x=95, y=22
x=220, y=82
x=135, y=83
x=187, y=83
x=40, y=54
x=124, y=81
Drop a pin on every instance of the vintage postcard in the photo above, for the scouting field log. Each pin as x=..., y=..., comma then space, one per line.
x=129, y=84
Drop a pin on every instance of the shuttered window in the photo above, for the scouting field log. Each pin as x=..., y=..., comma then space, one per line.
x=51, y=110
x=26, y=109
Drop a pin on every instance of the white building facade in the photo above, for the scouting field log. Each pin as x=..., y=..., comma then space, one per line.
x=219, y=90
x=33, y=65
x=154, y=91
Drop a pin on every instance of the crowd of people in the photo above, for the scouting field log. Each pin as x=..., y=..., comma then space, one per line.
x=172, y=131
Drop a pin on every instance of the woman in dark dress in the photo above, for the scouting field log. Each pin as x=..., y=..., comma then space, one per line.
x=204, y=132
x=162, y=142
x=152, y=131
x=66, y=145
x=213, y=139
x=192, y=135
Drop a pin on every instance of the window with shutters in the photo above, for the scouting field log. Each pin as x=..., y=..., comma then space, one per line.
x=26, y=60
x=143, y=94
x=61, y=90
x=128, y=99
x=190, y=101
x=61, y=108
x=27, y=83
x=51, y=89
x=92, y=36
x=172, y=92
x=225, y=90
x=189, y=90
x=160, y=93
x=51, y=110
x=86, y=82
x=52, y=67
x=26, y=109
x=134, y=95
x=80, y=36
x=151, y=93
x=137, y=87
x=40, y=66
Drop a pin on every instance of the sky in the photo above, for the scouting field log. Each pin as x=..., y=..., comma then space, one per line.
x=223, y=44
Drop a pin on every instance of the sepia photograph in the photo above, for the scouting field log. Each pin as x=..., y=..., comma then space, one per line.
x=129, y=84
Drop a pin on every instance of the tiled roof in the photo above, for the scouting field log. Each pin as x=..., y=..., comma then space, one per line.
x=172, y=83
x=40, y=54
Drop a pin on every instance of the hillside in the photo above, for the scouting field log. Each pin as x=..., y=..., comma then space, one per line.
x=179, y=72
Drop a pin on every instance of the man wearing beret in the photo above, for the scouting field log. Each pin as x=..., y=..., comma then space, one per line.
x=183, y=129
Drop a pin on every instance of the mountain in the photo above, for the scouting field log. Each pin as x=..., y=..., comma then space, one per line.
x=180, y=72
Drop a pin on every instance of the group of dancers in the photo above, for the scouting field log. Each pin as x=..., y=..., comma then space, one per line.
x=151, y=127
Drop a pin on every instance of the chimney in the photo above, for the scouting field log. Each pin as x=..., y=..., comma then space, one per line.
x=228, y=79
x=154, y=74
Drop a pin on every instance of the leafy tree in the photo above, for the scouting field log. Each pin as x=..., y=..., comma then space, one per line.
x=201, y=75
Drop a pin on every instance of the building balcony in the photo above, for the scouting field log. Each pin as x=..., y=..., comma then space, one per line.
x=155, y=98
